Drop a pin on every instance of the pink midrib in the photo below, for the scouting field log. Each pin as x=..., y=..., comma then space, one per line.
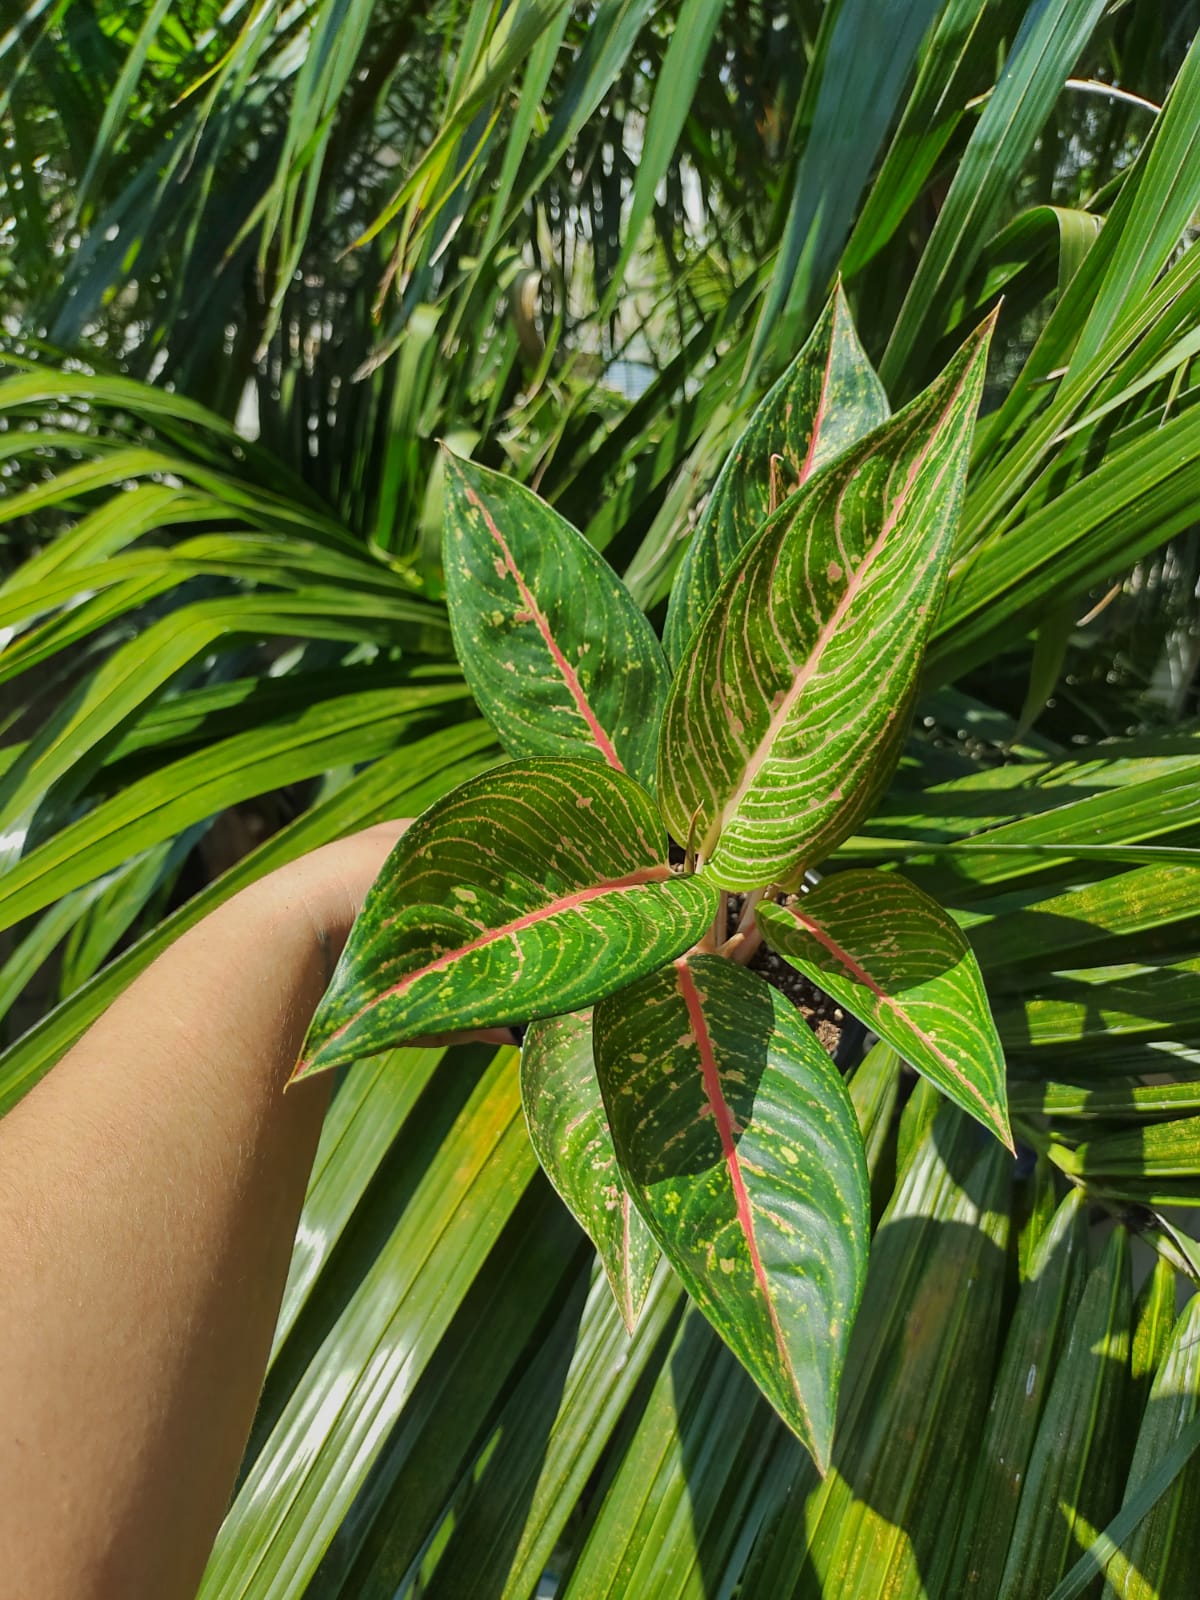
x=530, y=919
x=711, y=1075
x=569, y=676
x=813, y=662
x=861, y=975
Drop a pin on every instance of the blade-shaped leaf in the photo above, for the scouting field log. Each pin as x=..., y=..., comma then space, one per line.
x=826, y=400
x=529, y=891
x=1051, y=38
x=1045, y=1307
x=787, y=716
x=915, y=1391
x=739, y=1143
x=888, y=953
x=557, y=653
x=521, y=1492
x=569, y=1132
x=1158, y=1150
x=377, y=1338
x=678, y=78
x=683, y=1502
x=1154, y=1318
x=866, y=53
x=1157, y=1561
x=1075, y=1469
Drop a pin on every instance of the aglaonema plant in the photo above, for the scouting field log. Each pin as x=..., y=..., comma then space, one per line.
x=677, y=1100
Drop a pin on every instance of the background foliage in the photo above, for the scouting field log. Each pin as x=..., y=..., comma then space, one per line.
x=257, y=258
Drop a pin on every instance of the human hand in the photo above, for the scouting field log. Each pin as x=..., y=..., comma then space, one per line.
x=331, y=883
x=328, y=885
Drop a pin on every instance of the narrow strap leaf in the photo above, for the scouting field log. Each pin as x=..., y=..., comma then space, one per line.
x=1100, y=1552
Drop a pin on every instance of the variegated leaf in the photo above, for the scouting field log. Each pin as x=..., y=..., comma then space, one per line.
x=787, y=716
x=558, y=656
x=531, y=890
x=568, y=1128
x=740, y=1147
x=888, y=953
x=826, y=400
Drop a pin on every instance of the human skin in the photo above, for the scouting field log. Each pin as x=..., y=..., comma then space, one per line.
x=150, y=1187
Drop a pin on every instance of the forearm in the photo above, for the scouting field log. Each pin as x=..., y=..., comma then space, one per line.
x=149, y=1191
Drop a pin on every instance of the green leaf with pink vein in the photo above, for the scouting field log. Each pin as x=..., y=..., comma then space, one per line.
x=739, y=1144
x=895, y=959
x=557, y=653
x=529, y=891
x=788, y=714
x=827, y=399
x=569, y=1131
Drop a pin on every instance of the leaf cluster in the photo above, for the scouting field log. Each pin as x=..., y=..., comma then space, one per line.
x=257, y=260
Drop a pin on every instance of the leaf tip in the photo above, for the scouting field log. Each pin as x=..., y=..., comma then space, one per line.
x=983, y=333
x=629, y=1316
x=820, y=1451
x=311, y=1063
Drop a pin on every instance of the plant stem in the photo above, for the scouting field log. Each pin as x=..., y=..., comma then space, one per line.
x=743, y=947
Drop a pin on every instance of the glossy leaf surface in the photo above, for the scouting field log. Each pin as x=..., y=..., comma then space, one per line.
x=914, y=1396
x=679, y=1512
x=467, y=1175
x=544, y=1448
x=1159, y=1150
x=1045, y=1306
x=1157, y=1561
x=1153, y=1323
x=826, y=400
x=529, y=891
x=740, y=1145
x=559, y=657
x=769, y=766
x=569, y=1131
x=888, y=953
x=1076, y=1466
x=917, y=1385
x=399, y=784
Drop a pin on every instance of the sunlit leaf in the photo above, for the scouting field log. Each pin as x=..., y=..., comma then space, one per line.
x=1157, y=1560
x=740, y=1146
x=1045, y=1308
x=787, y=716
x=826, y=400
x=916, y=1386
x=530, y=891
x=893, y=957
x=569, y=1132
x=1154, y=1318
x=1078, y=1459
x=558, y=656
